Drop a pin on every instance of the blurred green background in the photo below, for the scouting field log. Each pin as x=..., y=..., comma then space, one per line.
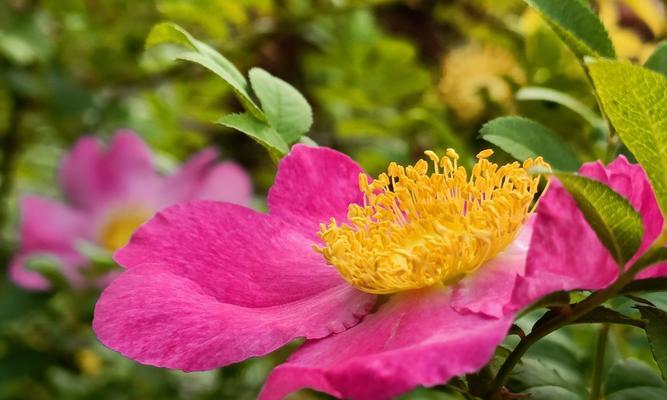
x=386, y=79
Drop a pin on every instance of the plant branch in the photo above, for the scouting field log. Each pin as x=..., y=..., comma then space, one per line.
x=552, y=323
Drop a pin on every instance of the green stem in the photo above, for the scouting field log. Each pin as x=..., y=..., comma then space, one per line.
x=598, y=364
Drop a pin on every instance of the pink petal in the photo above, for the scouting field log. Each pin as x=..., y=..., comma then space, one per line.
x=92, y=176
x=489, y=289
x=415, y=339
x=234, y=253
x=253, y=274
x=69, y=261
x=565, y=253
x=48, y=224
x=314, y=184
x=184, y=183
x=228, y=182
x=48, y=228
x=162, y=318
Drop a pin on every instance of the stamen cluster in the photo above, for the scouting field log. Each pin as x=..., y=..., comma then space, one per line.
x=417, y=229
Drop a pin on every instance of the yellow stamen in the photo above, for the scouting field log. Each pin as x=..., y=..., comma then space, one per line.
x=418, y=230
x=120, y=225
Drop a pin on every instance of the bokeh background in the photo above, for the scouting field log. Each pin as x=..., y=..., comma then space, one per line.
x=386, y=80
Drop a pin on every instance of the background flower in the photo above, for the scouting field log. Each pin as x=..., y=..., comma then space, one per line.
x=110, y=192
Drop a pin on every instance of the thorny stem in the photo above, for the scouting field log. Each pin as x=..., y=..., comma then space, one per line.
x=576, y=312
x=598, y=364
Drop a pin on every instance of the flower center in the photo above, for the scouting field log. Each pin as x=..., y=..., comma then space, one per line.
x=418, y=230
x=120, y=226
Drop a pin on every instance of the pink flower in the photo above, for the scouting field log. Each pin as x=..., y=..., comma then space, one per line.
x=208, y=283
x=565, y=253
x=110, y=192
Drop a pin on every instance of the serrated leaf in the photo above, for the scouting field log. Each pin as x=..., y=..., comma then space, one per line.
x=256, y=129
x=656, y=331
x=658, y=60
x=635, y=101
x=200, y=53
x=524, y=138
x=577, y=25
x=633, y=380
x=535, y=376
x=617, y=224
x=286, y=110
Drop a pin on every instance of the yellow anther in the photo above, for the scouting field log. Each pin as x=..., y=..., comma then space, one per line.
x=485, y=154
x=416, y=229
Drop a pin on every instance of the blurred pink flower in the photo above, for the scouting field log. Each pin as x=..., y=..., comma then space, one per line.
x=566, y=254
x=110, y=192
x=209, y=284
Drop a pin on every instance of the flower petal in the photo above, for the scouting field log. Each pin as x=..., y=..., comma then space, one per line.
x=162, y=318
x=414, y=339
x=226, y=181
x=48, y=228
x=91, y=176
x=314, y=184
x=565, y=253
x=47, y=224
x=234, y=253
x=489, y=289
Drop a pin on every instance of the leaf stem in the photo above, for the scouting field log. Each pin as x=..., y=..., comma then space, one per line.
x=598, y=363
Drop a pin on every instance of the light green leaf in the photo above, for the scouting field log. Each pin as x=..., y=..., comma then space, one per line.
x=286, y=110
x=656, y=331
x=200, y=53
x=635, y=101
x=565, y=100
x=658, y=60
x=617, y=224
x=258, y=130
x=577, y=26
x=523, y=138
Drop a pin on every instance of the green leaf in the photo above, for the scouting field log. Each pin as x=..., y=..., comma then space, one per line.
x=656, y=330
x=577, y=25
x=524, y=138
x=617, y=224
x=658, y=60
x=200, y=53
x=565, y=100
x=286, y=110
x=633, y=380
x=635, y=101
x=258, y=130
x=543, y=381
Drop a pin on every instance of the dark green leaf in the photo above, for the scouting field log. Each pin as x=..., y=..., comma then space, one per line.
x=286, y=110
x=658, y=60
x=523, y=138
x=656, y=330
x=646, y=285
x=577, y=25
x=633, y=380
x=617, y=224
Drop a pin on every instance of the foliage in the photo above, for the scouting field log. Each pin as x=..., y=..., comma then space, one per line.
x=382, y=80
